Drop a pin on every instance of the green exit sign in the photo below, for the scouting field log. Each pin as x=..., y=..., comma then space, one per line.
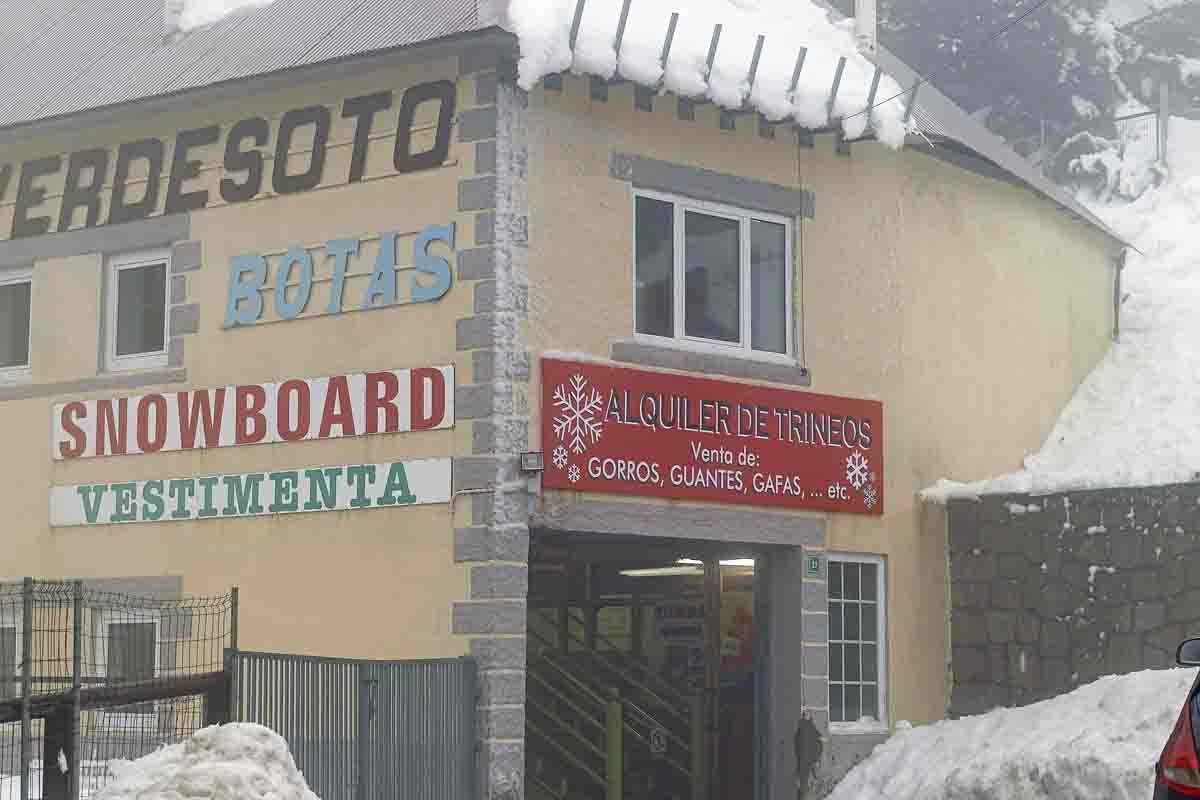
x=813, y=566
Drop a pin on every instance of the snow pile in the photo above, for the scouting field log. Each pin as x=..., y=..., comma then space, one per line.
x=1135, y=421
x=197, y=13
x=544, y=30
x=1100, y=740
x=239, y=761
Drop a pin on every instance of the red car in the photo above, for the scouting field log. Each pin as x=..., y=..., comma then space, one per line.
x=1177, y=773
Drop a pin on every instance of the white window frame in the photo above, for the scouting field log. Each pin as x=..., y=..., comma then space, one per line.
x=680, y=340
x=12, y=618
x=881, y=725
x=101, y=620
x=149, y=360
x=20, y=372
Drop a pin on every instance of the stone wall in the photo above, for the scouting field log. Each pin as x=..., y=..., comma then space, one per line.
x=1050, y=592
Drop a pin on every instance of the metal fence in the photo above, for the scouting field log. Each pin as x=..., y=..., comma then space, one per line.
x=90, y=676
x=367, y=730
x=1140, y=135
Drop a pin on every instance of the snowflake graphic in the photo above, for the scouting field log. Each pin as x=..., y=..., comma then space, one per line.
x=573, y=474
x=857, y=468
x=578, y=422
x=560, y=457
x=870, y=497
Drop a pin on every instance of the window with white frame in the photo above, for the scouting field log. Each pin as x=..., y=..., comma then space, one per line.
x=713, y=277
x=127, y=651
x=137, y=310
x=16, y=290
x=10, y=656
x=857, y=640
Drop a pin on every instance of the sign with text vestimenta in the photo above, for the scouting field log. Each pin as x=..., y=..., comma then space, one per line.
x=629, y=431
x=299, y=409
x=349, y=487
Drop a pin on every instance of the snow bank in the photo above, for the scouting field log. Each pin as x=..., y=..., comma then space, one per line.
x=544, y=29
x=1135, y=420
x=197, y=13
x=1100, y=740
x=239, y=761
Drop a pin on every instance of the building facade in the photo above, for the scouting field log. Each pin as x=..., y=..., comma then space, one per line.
x=294, y=332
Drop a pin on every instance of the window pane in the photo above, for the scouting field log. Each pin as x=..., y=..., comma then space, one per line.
x=8, y=662
x=141, y=309
x=870, y=581
x=835, y=621
x=870, y=663
x=836, y=712
x=14, y=324
x=850, y=666
x=655, y=267
x=768, y=287
x=852, y=627
x=130, y=651
x=870, y=702
x=712, y=249
x=850, y=581
x=853, y=704
x=870, y=614
x=835, y=579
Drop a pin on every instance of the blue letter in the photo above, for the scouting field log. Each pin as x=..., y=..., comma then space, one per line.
x=432, y=265
x=255, y=266
x=341, y=250
x=383, y=279
x=286, y=310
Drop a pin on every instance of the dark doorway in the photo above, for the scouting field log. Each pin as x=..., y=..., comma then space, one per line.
x=642, y=669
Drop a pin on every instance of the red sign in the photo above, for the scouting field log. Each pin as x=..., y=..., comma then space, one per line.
x=630, y=431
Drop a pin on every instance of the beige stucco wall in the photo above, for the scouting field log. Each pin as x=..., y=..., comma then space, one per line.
x=969, y=307
x=371, y=583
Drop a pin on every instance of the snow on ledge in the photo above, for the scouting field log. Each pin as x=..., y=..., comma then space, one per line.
x=543, y=28
x=198, y=13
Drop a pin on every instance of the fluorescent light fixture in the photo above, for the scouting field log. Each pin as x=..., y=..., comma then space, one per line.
x=731, y=562
x=658, y=572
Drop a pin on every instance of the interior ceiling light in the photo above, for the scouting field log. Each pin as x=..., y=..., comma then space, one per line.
x=658, y=572
x=730, y=562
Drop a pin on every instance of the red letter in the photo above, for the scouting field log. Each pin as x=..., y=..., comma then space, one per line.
x=71, y=412
x=283, y=410
x=437, y=409
x=145, y=443
x=202, y=412
x=338, y=393
x=384, y=401
x=249, y=402
x=115, y=427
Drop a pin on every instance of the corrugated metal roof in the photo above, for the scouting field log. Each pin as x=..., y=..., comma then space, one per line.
x=59, y=57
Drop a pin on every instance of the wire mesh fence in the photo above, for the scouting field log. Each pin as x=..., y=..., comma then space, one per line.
x=89, y=677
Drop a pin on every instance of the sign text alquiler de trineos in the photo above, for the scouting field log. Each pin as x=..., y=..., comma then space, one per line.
x=630, y=431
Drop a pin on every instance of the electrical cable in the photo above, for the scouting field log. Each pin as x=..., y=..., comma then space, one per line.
x=1012, y=24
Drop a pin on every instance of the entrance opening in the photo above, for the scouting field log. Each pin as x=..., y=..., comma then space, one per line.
x=642, y=669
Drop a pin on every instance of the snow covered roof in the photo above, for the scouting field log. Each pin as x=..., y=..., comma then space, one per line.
x=61, y=57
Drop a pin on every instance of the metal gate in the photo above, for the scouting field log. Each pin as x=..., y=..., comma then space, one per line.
x=367, y=730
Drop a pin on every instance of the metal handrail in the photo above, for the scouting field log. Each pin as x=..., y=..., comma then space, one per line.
x=566, y=754
x=596, y=751
x=586, y=715
x=665, y=686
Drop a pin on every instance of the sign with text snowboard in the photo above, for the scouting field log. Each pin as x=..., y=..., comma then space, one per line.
x=630, y=431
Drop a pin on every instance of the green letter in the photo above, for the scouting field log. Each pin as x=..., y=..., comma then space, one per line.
x=152, y=501
x=359, y=475
x=182, y=489
x=207, y=509
x=241, y=494
x=396, y=492
x=322, y=488
x=124, y=509
x=285, y=491
x=92, y=496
